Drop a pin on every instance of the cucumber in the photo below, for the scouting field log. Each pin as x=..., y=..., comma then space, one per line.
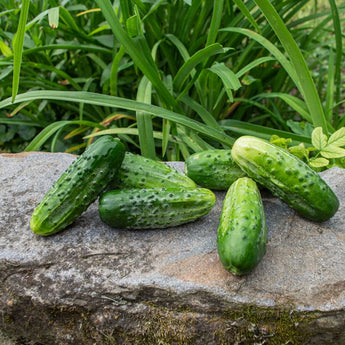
x=78, y=186
x=287, y=177
x=151, y=208
x=242, y=231
x=213, y=169
x=140, y=172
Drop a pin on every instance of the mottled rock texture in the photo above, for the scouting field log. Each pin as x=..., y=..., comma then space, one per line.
x=91, y=284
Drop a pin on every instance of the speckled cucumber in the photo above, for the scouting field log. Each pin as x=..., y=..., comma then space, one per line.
x=287, y=177
x=139, y=172
x=151, y=208
x=214, y=169
x=78, y=186
x=242, y=231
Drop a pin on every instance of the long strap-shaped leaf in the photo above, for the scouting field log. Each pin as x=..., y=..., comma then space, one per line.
x=303, y=74
x=18, y=42
x=339, y=52
x=117, y=102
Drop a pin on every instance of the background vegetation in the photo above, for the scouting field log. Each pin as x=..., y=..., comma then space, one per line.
x=171, y=77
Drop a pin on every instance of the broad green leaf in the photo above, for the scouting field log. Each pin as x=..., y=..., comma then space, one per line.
x=318, y=162
x=337, y=138
x=332, y=151
x=318, y=138
x=303, y=128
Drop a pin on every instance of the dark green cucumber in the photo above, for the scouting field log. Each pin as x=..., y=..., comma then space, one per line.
x=140, y=172
x=242, y=231
x=151, y=208
x=287, y=177
x=214, y=169
x=78, y=186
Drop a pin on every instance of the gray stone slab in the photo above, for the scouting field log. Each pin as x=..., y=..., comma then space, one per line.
x=91, y=284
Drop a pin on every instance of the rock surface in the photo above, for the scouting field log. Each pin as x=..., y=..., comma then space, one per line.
x=91, y=284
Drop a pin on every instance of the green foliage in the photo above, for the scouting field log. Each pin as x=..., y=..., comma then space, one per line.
x=197, y=73
x=324, y=153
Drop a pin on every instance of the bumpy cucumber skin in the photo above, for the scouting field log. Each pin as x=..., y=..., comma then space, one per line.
x=151, y=208
x=242, y=231
x=78, y=186
x=213, y=169
x=139, y=172
x=287, y=177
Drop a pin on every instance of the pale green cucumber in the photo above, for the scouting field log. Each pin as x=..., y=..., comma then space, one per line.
x=287, y=177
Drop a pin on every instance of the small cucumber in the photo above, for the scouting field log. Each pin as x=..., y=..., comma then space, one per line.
x=140, y=172
x=151, y=208
x=242, y=231
x=78, y=186
x=287, y=177
x=213, y=169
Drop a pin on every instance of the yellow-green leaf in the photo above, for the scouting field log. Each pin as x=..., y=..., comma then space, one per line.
x=337, y=138
x=5, y=49
x=299, y=151
x=53, y=17
x=318, y=138
x=332, y=151
x=318, y=162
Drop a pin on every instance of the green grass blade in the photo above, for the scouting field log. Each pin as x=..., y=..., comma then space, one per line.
x=271, y=48
x=130, y=131
x=295, y=103
x=245, y=128
x=193, y=61
x=117, y=102
x=218, y=6
x=306, y=83
x=51, y=129
x=243, y=8
x=18, y=42
x=143, y=61
x=330, y=88
x=144, y=121
x=206, y=116
x=339, y=52
x=253, y=64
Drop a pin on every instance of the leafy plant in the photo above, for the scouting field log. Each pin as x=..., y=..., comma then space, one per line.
x=169, y=78
x=323, y=153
